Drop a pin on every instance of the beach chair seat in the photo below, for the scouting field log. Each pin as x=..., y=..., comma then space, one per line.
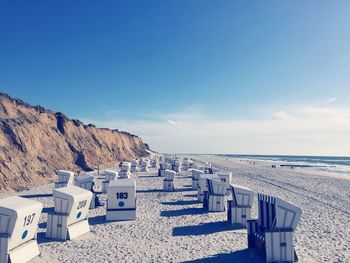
x=272, y=233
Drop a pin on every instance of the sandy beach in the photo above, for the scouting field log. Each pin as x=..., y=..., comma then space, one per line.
x=173, y=227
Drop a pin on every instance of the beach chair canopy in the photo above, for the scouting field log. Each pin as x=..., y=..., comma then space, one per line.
x=275, y=213
x=241, y=195
x=216, y=187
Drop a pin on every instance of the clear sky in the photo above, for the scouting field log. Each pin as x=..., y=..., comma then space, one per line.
x=266, y=77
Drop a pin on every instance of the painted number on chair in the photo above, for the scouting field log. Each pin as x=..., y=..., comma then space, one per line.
x=82, y=204
x=28, y=219
x=122, y=195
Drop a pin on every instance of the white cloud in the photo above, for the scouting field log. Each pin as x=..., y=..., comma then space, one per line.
x=298, y=129
x=331, y=100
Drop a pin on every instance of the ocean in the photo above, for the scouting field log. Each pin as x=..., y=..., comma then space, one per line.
x=319, y=163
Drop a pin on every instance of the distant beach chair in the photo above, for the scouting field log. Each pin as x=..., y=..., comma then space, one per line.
x=168, y=182
x=154, y=163
x=214, y=198
x=133, y=167
x=19, y=218
x=69, y=218
x=177, y=166
x=226, y=177
x=65, y=178
x=195, y=175
x=208, y=169
x=86, y=182
x=239, y=208
x=125, y=168
x=144, y=164
x=272, y=233
x=203, y=184
x=109, y=176
x=162, y=167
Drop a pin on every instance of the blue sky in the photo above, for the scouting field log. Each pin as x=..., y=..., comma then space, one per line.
x=155, y=67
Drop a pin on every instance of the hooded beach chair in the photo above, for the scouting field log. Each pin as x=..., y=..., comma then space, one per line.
x=272, y=233
x=214, y=198
x=168, y=182
x=239, y=208
x=19, y=218
x=69, y=218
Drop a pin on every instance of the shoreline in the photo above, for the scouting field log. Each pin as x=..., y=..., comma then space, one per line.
x=268, y=163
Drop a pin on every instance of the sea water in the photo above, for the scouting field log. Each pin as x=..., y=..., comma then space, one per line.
x=337, y=164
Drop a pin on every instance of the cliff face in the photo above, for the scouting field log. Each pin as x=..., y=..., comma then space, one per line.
x=35, y=143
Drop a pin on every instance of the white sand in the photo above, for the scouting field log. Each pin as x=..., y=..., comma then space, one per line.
x=173, y=227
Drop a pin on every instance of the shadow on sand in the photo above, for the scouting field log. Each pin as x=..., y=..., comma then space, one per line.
x=47, y=210
x=245, y=255
x=97, y=220
x=203, y=229
x=181, y=202
x=41, y=238
x=183, y=212
x=149, y=191
x=183, y=189
x=36, y=195
x=148, y=176
x=194, y=195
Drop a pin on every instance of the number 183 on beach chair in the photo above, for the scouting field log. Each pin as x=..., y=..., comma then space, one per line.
x=121, y=200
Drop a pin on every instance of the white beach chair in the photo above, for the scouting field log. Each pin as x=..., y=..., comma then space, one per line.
x=124, y=170
x=19, y=218
x=109, y=176
x=65, y=178
x=208, y=169
x=133, y=167
x=162, y=167
x=203, y=184
x=214, y=198
x=85, y=182
x=121, y=200
x=226, y=177
x=69, y=218
x=272, y=233
x=177, y=166
x=239, y=208
x=195, y=175
x=144, y=165
x=168, y=182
